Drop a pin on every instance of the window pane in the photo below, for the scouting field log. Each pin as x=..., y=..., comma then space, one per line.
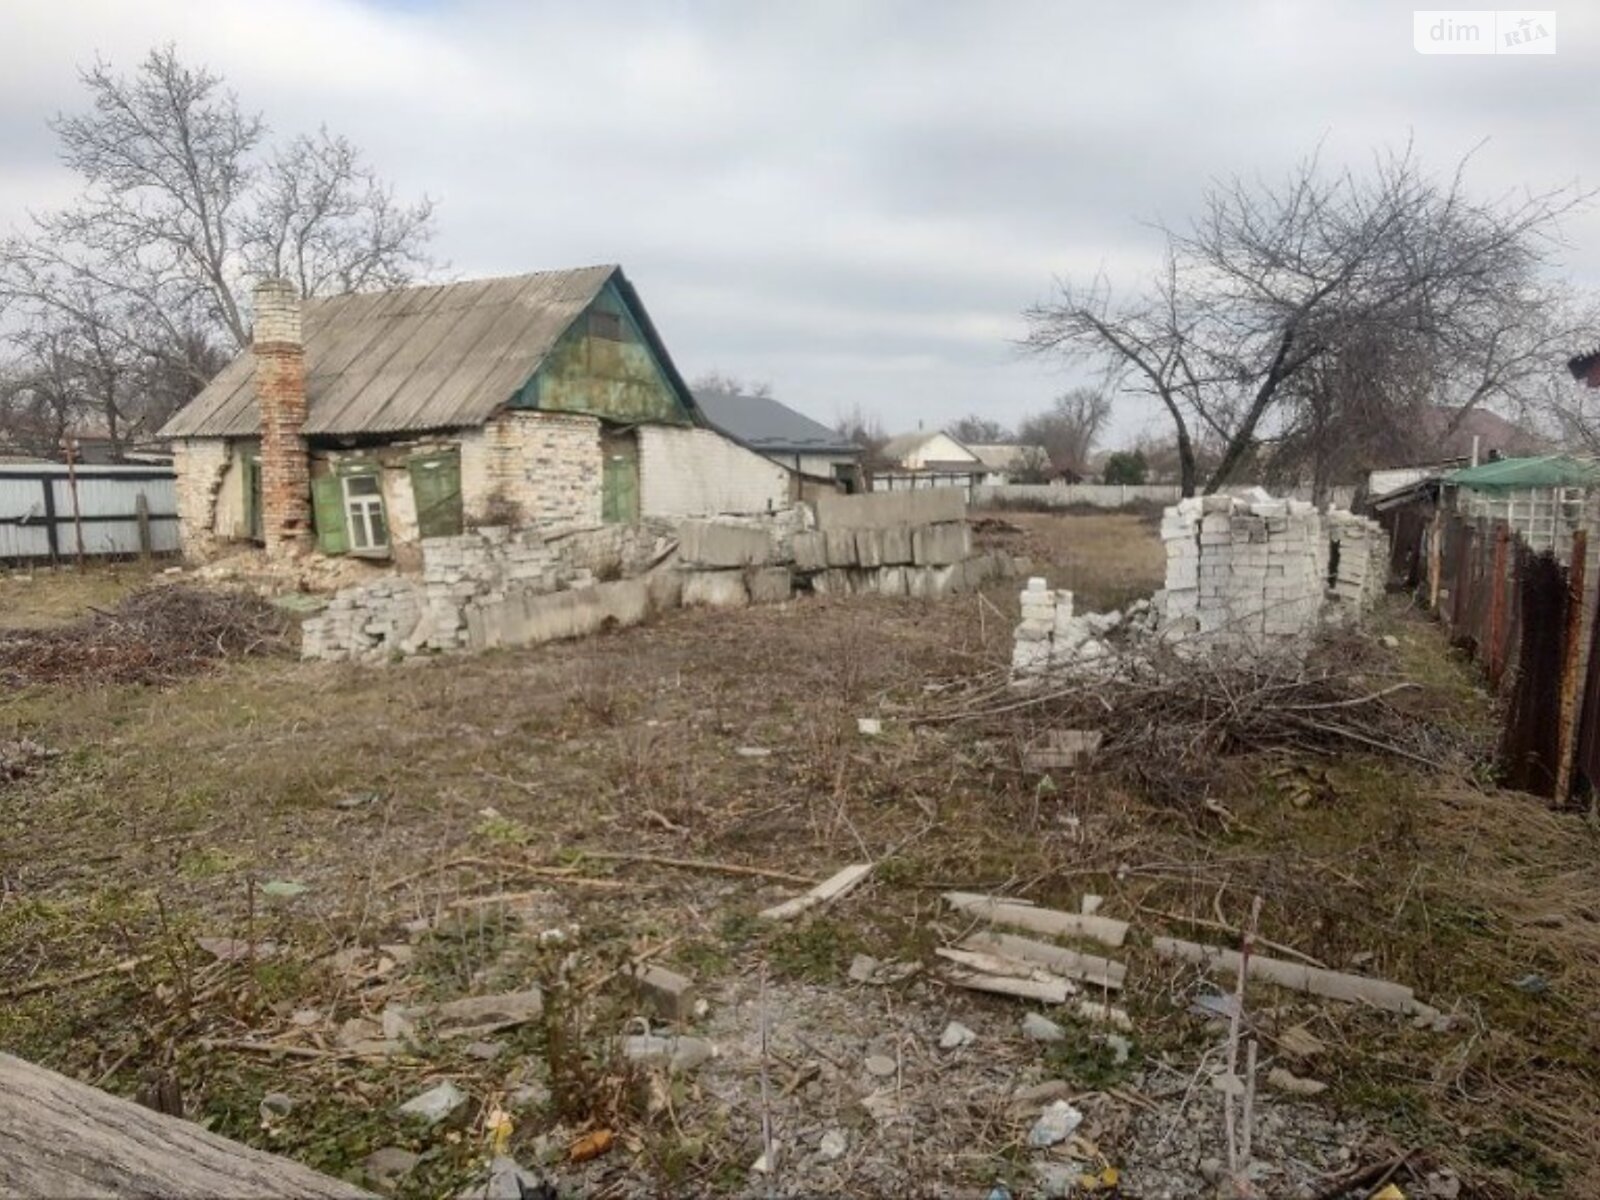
x=361, y=485
x=380, y=533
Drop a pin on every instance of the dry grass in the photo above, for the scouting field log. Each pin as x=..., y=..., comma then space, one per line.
x=169, y=804
x=1106, y=558
x=43, y=597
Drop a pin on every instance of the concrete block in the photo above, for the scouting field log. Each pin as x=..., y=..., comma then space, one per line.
x=669, y=994
x=527, y=619
x=879, y=510
x=895, y=544
x=810, y=550
x=941, y=545
x=718, y=544
x=841, y=547
x=770, y=585
x=715, y=589
x=869, y=547
x=892, y=581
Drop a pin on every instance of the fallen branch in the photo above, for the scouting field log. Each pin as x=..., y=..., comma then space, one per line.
x=60, y=981
x=829, y=890
x=696, y=864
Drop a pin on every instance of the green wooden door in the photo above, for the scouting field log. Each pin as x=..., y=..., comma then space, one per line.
x=619, y=480
x=436, y=487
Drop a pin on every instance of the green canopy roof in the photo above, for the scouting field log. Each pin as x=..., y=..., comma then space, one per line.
x=1546, y=471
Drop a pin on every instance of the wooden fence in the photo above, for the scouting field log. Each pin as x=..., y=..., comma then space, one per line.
x=1525, y=615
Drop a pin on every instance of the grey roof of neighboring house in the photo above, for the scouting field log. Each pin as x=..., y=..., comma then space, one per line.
x=761, y=423
x=441, y=356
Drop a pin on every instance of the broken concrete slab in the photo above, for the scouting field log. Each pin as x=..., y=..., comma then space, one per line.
x=509, y=1180
x=841, y=547
x=715, y=589
x=869, y=547
x=724, y=544
x=1039, y=1028
x=941, y=545
x=879, y=510
x=528, y=619
x=769, y=585
x=894, y=545
x=810, y=550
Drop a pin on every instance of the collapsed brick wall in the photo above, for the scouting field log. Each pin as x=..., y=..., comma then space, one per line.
x=200, y=464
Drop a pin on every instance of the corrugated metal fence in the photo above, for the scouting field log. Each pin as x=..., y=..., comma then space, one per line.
x=45, y=509
x=1526, y=617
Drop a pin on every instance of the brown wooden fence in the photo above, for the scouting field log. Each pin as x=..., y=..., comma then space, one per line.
x=1521, y=614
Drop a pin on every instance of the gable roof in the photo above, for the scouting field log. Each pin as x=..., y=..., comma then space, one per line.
x=761, y=423
x=1492, y=430
x=906, y=444
x=441, y=356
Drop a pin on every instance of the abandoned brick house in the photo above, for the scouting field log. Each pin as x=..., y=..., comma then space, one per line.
x=360, y=424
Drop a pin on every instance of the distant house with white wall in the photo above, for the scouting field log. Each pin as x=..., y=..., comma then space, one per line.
x=819, y=455
x=360, y=424
x=918, y=460
x=1014, y=462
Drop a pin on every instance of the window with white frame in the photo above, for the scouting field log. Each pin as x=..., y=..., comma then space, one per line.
x=363, y=510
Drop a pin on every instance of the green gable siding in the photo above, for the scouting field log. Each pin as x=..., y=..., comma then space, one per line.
x=617, y=378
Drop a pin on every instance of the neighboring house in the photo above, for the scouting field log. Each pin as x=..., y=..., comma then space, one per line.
x=792, y=439
x=1492, y=433
x=362, y=423
x=1014, y=462
x=918, y=460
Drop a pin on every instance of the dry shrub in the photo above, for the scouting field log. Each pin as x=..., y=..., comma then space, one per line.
x=154, y=636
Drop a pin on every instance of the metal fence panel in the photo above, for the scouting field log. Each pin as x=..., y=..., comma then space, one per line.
x=37, y=499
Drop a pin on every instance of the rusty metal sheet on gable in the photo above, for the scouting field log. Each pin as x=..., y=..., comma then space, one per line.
x=430, y=357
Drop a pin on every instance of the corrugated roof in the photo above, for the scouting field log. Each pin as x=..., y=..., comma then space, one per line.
x=433, y=357
x=761, y=423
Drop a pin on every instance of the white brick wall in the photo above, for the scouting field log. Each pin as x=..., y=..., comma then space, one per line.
x=200, y=464
x=547, y=465
x=697, y=472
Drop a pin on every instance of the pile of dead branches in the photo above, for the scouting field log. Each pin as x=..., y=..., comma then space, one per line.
x=153, y=636
x=1169, y=722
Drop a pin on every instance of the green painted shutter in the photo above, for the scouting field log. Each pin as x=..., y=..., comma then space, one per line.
x=327, y=500
x=436, y=487
x=619, y=480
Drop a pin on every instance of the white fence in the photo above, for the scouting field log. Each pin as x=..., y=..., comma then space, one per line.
x=44, y=510
x=1115, y=495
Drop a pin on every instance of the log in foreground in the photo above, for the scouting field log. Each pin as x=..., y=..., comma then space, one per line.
x=59, y=1137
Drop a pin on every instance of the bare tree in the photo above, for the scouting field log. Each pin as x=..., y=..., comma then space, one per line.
x=1271, y=280
x=182, y=207
x=975, y=430
x=728, y=384
x=1068, y=429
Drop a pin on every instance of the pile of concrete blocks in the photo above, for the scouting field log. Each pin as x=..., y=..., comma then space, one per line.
x=1052, y=637
x=1253, y=571
x=732, y=563
x=1359, y=562
x=372, y=622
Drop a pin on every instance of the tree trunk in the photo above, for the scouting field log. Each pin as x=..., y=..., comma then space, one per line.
x=59, y=1137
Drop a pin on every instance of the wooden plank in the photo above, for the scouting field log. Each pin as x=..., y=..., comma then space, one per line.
x=1044, y=991
x=1039, y=920
x=825, y=892
x=1335, y=985
x=1089, y=968
x=59, y=1137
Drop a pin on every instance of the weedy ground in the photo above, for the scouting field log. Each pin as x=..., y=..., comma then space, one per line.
x=397, y=793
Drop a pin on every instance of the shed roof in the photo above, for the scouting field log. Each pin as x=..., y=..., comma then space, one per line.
x=1550, y=470
x=761, y=423
x=440, y=356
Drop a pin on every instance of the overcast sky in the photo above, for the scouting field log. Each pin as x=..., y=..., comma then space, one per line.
x=853, y=201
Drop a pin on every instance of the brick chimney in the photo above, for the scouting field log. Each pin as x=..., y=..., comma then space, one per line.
x=280, y=359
